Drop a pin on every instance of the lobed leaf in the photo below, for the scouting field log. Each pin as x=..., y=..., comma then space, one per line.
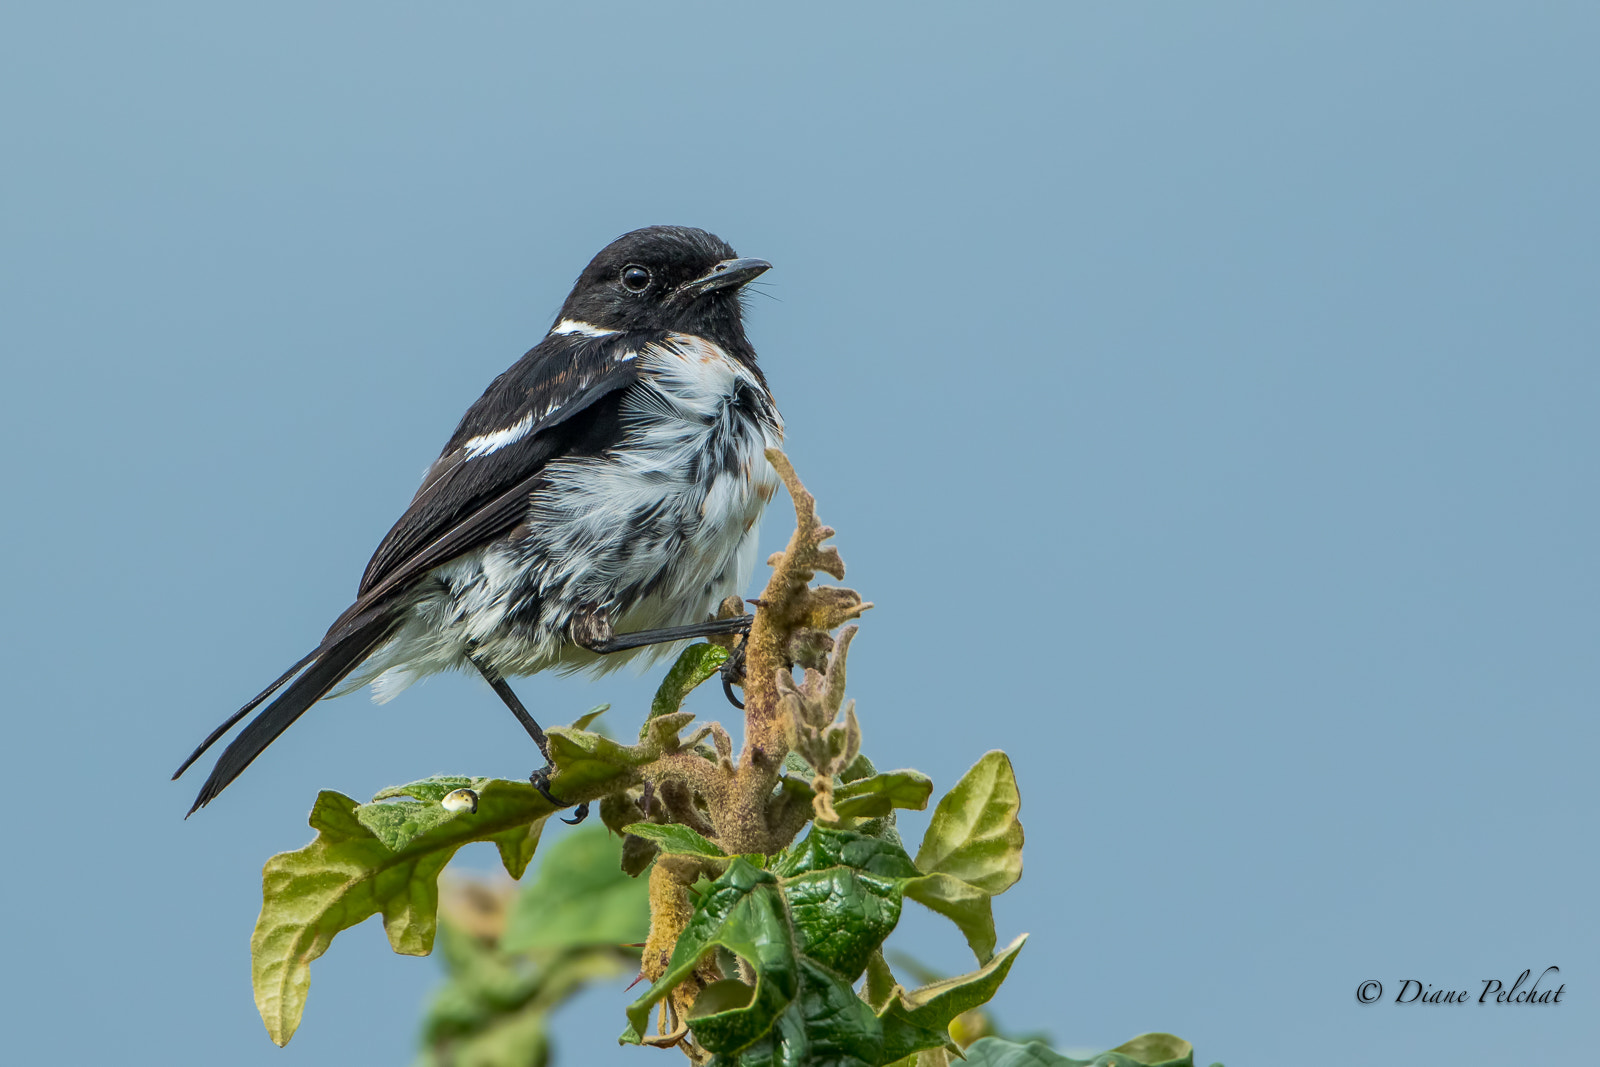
x=348, y=874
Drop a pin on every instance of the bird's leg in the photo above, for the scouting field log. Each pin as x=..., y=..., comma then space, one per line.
x=592, y=630
x=503, y=691
x=541, y=777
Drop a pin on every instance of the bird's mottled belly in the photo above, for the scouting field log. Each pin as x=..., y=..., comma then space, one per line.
x=654, y=532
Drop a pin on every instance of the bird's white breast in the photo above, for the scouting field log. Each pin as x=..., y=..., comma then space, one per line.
x=675, y=503
x=655, y=531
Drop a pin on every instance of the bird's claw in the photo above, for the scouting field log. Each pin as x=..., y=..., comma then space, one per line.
x=732, y=672
x=540, y=780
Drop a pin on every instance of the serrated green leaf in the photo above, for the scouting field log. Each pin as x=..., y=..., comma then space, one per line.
x=969, y=907
x=974, y=834
x=695, y=664
x=347, y=874
x=675, y=839
x=875, y=796
x=581, y=897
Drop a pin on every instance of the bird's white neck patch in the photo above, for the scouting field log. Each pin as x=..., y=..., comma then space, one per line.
x=582, y=329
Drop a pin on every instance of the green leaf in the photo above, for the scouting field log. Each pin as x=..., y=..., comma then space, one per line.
x=347, y=874
x=743, y=913
x=823, y=849
x=964, y=904
x=974, y=834
x=398, y=824
x=1156, y=1050
x=592, y=765
x=513, y=1039
x=695, y=665
x=583, y=721
x=1146, y=1050
x=432, y=790
x=808, y=928
x=483, y=983
x=880, y=982
x=860, y=767
x=998, y=1052
x=875, y=797
x=581, y=897
x=495, y=1008
x=844, y=890
x=675, y=839
x=637, y=855
x=935, y=1006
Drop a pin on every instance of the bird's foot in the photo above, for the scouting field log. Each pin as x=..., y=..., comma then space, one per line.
x=732, y=672
x=540, y=780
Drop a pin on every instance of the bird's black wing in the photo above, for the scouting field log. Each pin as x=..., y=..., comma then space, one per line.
x=562, y=398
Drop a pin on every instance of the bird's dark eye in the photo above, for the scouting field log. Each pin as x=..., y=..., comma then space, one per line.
x=635, y=278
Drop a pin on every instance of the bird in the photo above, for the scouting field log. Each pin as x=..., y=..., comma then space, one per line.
x=596, y=503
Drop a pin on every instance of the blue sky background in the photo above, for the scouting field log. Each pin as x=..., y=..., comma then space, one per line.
x=1205, y=394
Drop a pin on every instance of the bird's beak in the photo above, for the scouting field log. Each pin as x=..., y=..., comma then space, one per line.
x=730, y=273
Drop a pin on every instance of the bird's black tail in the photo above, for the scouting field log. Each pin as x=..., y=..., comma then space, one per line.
x=346, y=645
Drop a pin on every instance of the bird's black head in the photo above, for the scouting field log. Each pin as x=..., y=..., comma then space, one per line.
x=666, y=278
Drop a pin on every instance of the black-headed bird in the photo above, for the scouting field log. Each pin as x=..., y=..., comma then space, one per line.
x=601, y=497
